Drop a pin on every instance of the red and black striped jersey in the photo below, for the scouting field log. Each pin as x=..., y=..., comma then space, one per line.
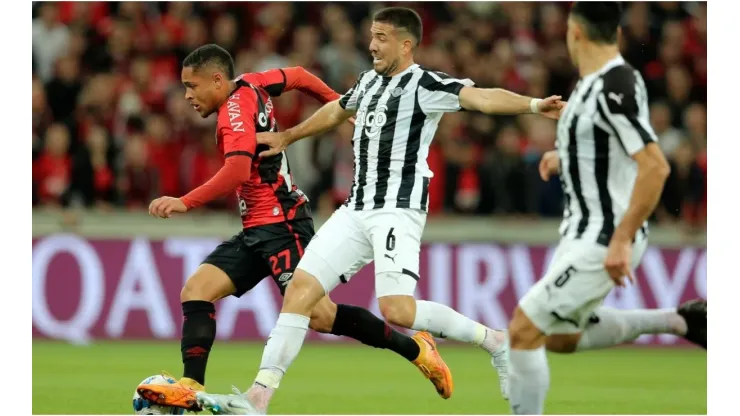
x=270, y=195
x=265, y=188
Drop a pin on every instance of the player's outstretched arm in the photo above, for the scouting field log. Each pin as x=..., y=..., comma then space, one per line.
x=500, y=101
x=326, y=118
x=278, y=81
x=302, y=80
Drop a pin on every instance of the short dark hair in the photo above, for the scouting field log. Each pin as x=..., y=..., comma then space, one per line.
x=401, y=18
x=600, y=19
x=210, y=54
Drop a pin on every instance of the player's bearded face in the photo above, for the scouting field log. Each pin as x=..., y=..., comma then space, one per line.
x=385, y=48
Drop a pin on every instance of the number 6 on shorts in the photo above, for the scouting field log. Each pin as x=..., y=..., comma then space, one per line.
x=390, y=241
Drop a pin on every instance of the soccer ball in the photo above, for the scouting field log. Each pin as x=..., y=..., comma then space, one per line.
x=144, y=407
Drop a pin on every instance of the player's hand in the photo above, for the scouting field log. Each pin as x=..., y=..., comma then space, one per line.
x=164, y=207
x=352, y=120
x=619, y=260
x=277, y=142
x=549, y=164
x=551, y=107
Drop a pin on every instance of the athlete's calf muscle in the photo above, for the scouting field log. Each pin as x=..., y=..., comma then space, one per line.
x=398, y=309
x=322, y=316
x=523, y=334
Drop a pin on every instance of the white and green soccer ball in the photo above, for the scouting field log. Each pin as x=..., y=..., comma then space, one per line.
x=145, y=407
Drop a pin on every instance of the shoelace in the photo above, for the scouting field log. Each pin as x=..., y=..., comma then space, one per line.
x=498, y=356
x=166, y=374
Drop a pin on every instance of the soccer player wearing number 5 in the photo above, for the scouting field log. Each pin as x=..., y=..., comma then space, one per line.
x=397, y=108
x=276, y=224
x=612, y=172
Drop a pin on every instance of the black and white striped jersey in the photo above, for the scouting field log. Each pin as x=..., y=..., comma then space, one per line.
x=396, y=120
x=604, y=124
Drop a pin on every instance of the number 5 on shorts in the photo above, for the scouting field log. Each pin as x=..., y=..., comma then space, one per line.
x=563, y=278
x=390, y=241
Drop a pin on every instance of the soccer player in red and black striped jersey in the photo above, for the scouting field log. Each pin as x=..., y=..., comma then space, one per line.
x=276, y=223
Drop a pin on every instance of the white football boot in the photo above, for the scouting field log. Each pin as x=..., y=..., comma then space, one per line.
x=227, y=404
x=500, y=363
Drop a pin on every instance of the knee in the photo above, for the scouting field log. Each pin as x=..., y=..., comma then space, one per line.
x=193, y=291
x=302, y=294
x=563, y=344
x=208, y=283
x=523, y=334
x=322, y=317
x=398, y=310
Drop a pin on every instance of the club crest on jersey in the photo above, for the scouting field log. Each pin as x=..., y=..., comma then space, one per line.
x=372, y=121
x=397, y=92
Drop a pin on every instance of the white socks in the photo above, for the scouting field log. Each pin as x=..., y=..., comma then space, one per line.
x=283, y=345
x=617, y=326
x=529, y=380
x=444, y=322
x=529, y=375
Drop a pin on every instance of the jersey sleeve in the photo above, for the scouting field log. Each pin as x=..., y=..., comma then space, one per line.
x=440, y=93
x=239, y=138
x=274, y=81
x=618, y=104
x=348, y=101
x=278, y=81
x=236, y=124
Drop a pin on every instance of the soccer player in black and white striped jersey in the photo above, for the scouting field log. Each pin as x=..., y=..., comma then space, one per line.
x=397, y=107
x=612, y=172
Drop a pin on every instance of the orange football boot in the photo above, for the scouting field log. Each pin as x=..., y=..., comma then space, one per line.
x=430, y=364
x=180, y=394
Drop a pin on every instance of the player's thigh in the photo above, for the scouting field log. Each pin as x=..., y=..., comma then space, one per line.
x=244, y=267
x=281, y=247
x=208, y=283
x=396, y=239
x=573, y=286
x=339, y=248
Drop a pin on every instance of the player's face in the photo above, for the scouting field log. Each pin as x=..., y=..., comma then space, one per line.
x=201, y=90
x=385, y=47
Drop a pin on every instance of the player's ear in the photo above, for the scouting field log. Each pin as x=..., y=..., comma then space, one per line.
x=218, y=79
x=580, y=31
x=408, y=45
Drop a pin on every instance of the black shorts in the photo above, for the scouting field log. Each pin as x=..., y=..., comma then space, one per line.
x=269, y=250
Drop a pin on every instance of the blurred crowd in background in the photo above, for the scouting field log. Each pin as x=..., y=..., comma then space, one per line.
x=111, y=127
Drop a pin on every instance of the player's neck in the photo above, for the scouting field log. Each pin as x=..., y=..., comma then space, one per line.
x=402, y=67
x=594, y=57
x=231, y=89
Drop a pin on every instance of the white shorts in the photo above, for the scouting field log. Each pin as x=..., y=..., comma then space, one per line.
x=575, y=284
x=351, y=239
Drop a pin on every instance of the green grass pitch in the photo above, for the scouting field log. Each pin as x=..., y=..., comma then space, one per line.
x=354, y=379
